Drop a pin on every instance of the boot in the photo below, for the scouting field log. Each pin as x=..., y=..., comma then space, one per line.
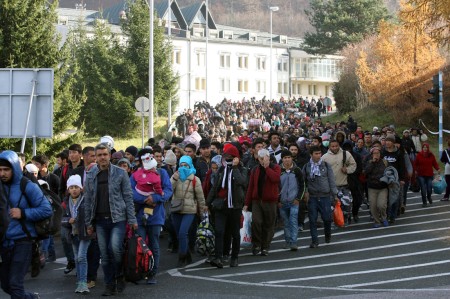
x=188, y=258
x=181, y=260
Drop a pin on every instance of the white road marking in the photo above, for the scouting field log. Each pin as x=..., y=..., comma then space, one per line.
x=333, y=264
x=358, y=272
x=395, y=280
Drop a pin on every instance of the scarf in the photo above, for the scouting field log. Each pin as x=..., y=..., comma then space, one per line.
x=185, y=172
x=315, y=168
x=73, y=207
x=226, y=182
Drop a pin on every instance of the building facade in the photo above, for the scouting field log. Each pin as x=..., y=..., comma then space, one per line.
x=214, y=62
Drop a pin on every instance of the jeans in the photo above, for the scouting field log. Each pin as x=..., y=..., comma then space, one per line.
x=15, y=263
x=110, y=238
x=182, y=223
x=93, y=256
x=48, y=247
x=68, y=251
x=289, y=213
x=80, y=249
x=426, y=187
x=320, y=205
x=227, y=227
x=152, y=232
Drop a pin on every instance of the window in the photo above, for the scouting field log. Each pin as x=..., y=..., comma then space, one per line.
x=225, y=61
x=243, y=62
x=312, y=89
x=224, y=84
x=200, y=83
x=261, y=63
x=260, y=86
x=201, y=59
x=327, y=90
x=280, y=87
x=176, y=56
x=283, y=65
x=285, y=87
x=242, y=86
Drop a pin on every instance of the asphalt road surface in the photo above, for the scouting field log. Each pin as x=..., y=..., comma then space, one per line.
x=409, y=259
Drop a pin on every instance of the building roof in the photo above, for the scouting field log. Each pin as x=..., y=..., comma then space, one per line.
x=191, y=12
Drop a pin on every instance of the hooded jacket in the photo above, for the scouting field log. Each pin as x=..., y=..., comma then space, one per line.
x=35, y=208
x=336, y=161
x=424, y=163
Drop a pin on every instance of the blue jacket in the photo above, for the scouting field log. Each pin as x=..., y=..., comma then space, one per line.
x=120, y=195
x=158, y=216
x=36, y=208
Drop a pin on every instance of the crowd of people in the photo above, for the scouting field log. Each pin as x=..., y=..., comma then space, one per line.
x=275, y=159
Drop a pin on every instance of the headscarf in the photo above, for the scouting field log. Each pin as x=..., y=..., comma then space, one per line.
x=426, y=154
x=184, y=171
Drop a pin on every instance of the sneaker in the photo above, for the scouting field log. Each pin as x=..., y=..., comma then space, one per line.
x=51, y=259
x=91, y=284
x=256, y=250
x=376, y=225
x=424, y=205
x=430, y=201
x=36, y=296
x=217, y=263
x=385, y=223
x=234, y=262
x=208, y=260
x=287, y=245
x=226, y=259
x=327, y=238
x=356, y=218
x=391, y=220
x=300, y=227
x=444, y=199
x=110, y=290
x=69, y=268
x=293, y=247
x=264, y=252
x=82, y=288
x=151, y=280
x=402, y=209
x=121, y=284
x=313, y=245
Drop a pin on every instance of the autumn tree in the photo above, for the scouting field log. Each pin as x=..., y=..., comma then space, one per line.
x=401, y=61
x=339, y=23
x=431, y=15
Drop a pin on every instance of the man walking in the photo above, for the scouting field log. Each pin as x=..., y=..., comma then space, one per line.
x=24, y=210
x=109, y=205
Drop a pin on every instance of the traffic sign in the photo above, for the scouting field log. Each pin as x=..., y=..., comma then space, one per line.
x=142, y=104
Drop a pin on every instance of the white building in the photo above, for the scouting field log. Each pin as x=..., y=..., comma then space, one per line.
x=237, y=62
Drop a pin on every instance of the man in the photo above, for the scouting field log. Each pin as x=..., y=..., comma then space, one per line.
x=291, y=193
x=394, y=157
x=275, y=148
x=250, y=159
x=150, y=226
x=131, y=153
x=216, y=148
x=190, y=150
x=418, y=137
x=204, y=160
x=16, y=247
x=41, y=162
x=317, y=141
x=320, y=186
x=61, y=161
x=108, y=206
x=262, y=195
x=342, y=166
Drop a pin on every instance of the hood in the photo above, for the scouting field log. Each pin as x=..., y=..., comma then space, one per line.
x=12, y=158
x=339, y=133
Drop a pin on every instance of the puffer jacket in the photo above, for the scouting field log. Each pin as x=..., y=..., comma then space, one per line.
x=194, y=197
x=374, y=171
x=34, y=208
x=240, y=181
x=120, y=195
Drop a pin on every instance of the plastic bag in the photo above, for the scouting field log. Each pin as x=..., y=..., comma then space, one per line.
x=338, y=216
x=439, y=185
x=246, y=230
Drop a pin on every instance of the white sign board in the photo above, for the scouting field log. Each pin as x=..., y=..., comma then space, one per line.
x=142, y=104
x=15, y=92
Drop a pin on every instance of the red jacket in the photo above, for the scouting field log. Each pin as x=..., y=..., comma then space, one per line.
x=271, y=186
x=424, y=165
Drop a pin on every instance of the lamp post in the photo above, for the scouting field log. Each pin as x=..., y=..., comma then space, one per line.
x=272, y=9
x=151, y=94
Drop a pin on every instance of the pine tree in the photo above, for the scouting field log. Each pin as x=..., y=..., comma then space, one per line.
x=28, y=39
x=341, y=22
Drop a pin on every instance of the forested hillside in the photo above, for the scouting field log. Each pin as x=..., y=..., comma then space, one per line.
x=252, y=14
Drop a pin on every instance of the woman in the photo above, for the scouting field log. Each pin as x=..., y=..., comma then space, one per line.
x=445, y=158
x=227, y=197
x=377, y=190
x=187, y=188
x=423, y=165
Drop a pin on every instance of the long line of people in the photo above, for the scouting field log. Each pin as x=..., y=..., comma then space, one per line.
x=280, y=168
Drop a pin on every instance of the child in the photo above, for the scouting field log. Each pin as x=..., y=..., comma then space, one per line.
x=148, y=180
x=74, y=220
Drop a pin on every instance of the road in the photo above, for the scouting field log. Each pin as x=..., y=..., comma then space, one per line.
x=409, y=259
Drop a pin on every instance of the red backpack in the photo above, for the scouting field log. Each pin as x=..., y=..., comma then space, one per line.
x=138, y=259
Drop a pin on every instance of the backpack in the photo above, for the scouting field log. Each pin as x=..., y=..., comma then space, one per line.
x=48, y=226
x=138, y=259
x=205, y=241
x=4, y=217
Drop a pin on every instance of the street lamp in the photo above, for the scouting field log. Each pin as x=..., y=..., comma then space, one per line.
x=272, y=9
x=151, y=93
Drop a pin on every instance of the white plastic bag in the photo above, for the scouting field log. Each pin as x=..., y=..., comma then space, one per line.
x=246, y=230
